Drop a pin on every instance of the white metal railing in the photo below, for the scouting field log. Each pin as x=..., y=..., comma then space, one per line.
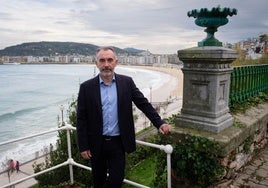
x=167, y=148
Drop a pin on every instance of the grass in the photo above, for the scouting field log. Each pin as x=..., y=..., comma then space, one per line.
x=34, y=186
x=142, y=173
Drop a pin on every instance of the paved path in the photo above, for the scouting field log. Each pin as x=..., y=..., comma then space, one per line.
x=26, y=169
x=254, y=174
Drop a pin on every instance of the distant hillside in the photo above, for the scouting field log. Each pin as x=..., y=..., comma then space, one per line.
x=52, y=48
x=133, y=50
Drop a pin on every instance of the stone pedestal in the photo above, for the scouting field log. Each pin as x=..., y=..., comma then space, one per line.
x=206, y=84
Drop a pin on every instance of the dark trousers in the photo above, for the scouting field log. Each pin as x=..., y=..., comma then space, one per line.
x=111, y=161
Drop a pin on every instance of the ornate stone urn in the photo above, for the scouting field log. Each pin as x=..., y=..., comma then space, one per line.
x=206, y=76
x=211, y=19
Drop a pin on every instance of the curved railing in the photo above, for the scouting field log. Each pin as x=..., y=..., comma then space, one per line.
x=167, y=148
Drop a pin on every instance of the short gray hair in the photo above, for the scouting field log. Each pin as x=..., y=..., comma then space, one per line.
x=105, y=48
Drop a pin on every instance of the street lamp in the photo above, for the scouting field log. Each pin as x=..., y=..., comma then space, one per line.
x=151, y=100
x=62, y=108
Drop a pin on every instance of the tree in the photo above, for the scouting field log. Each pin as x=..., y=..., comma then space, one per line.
x=60, y=154
x=263, y=38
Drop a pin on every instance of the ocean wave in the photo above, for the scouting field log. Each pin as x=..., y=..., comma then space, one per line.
x=17, y=113
x=10, y=115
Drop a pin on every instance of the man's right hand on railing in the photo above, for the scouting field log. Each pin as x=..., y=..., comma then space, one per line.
x=86, y=154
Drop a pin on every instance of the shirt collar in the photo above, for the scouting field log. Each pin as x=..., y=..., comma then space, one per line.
x=102, y=82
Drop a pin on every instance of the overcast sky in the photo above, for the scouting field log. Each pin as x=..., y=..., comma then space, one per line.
x=161, y=26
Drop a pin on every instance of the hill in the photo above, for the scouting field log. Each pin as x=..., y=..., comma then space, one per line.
x=53, y=48
x=133, y=50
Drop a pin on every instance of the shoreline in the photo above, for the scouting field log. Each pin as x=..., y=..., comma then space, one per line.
x=170, y=90
x=173, y=71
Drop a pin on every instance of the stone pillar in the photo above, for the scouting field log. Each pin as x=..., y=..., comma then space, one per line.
x=206, y=84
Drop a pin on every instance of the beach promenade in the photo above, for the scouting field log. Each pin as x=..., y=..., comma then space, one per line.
x=26, y=169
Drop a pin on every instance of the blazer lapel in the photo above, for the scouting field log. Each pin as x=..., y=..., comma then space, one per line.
x=120, y=87
x=97, y=95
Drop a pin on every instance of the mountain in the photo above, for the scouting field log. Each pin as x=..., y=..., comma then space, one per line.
x=52, y=48
x=133, y=50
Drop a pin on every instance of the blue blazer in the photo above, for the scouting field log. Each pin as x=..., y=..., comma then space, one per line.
x=89, y=113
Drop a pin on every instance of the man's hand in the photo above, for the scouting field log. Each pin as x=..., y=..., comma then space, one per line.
x=164, y=128
x=86, y=154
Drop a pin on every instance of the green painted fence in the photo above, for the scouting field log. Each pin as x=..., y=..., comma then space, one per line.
x=248, y=81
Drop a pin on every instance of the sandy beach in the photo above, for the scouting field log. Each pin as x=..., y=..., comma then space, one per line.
x=171, y=91
x=173, y=87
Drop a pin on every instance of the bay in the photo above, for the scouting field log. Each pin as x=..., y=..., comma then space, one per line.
x=31, y=97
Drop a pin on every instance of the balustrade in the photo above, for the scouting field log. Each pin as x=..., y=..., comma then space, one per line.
x=70, y=162
x=248, y=81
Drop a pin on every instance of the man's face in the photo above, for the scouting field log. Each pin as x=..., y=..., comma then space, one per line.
x=106, y=62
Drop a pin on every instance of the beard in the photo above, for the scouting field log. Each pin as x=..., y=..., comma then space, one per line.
x=106, y=73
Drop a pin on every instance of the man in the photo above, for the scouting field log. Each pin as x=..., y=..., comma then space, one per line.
x=105, y=125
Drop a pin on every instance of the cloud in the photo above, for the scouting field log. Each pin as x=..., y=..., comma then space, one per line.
x=157, y=25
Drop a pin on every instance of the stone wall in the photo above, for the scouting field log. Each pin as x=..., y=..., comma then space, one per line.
x=252, y=139
x=239, y=142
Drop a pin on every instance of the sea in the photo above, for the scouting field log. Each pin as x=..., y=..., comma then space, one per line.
x=32, y=97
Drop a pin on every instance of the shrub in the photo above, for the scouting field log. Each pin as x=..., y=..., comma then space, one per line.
x=59, y=155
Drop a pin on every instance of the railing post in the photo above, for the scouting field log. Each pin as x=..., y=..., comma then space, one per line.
x=168, y=149
x=70, y=155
